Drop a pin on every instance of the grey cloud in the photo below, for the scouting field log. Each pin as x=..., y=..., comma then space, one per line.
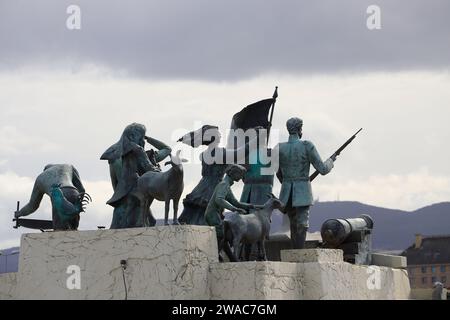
x=226, y=40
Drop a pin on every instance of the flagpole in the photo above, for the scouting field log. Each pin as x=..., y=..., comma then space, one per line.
x=275, y=96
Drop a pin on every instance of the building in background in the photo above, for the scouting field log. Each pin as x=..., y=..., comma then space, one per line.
x=429, y=261
x=9, y=260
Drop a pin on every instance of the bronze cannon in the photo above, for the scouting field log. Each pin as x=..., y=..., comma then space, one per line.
x=335, y=232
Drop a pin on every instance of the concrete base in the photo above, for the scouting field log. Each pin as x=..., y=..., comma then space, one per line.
x=281, y=241
x=255, y=281
x=312, y=255
x=311, y=274
x=180, y=262
x=387, y=260
x=162, y=263
x=8, y=285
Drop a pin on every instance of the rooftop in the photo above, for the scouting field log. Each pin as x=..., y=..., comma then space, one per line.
x=429, y=250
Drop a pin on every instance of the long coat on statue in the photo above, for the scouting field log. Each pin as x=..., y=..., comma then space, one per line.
x=295, y=158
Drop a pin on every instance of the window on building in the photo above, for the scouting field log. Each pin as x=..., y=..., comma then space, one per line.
x=424, y=269
x=424, y=280
x=444, y=279
x=433, y=279
x=442, y=268
x=433, y=269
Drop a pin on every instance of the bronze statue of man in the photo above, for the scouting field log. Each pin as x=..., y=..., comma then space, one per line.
x=62, y=183
x=223, y=198
x=295, y=158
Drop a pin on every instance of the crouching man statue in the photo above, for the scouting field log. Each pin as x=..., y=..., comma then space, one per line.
x=62, y=183
x=222, y=199
x=295, y=158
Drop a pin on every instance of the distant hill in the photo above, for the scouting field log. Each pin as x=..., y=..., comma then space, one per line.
x=393, y=229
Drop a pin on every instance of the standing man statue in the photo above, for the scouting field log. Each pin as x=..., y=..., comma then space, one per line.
x=295, y=158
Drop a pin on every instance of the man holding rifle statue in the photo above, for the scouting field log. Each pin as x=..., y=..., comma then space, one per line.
x=295, y=158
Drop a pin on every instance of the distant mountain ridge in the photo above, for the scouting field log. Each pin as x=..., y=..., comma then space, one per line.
x=393, y=229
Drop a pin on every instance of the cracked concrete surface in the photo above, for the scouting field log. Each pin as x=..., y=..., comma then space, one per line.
x=8, y=284
x=162, y=263
x=312, y=280
x=255, y=281
x=180, y=262
x=312, y=255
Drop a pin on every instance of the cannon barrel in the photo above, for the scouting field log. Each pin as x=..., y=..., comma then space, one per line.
x=335, y=231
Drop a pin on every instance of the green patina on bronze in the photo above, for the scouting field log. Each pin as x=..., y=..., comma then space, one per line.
x=223, y=198
x=62, y=183
x=295, y=158
x=128, y=160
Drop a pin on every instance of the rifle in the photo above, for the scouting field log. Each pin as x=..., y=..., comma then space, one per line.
x=336, y=153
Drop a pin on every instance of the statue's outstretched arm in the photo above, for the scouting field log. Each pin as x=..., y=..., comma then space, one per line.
x=221, y=199
x=236, y=203
x=223, y=203
x=315, y=159
x=163, y=149
x=33, y=204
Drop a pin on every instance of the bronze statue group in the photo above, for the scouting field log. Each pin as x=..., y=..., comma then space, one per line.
x=137, y=180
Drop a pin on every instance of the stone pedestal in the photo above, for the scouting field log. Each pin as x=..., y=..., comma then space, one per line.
x=387, y=260
x=162, y=263
x=255, y=281
x=180, y=262
x=345, y=281
x=8, y=285
x=312, y=255
x=308, y=274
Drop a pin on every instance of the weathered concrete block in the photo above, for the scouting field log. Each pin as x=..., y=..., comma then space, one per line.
x=168, y=262
x=387, y=260
x=255, y=281
x=8, y=284
x=306, y=281
x=312, y=255
x=282, y=241
x=402, y=287
x=345, y=281
x=180, y=262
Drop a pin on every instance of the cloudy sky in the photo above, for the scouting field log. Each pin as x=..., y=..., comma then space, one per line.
x=173, y=65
